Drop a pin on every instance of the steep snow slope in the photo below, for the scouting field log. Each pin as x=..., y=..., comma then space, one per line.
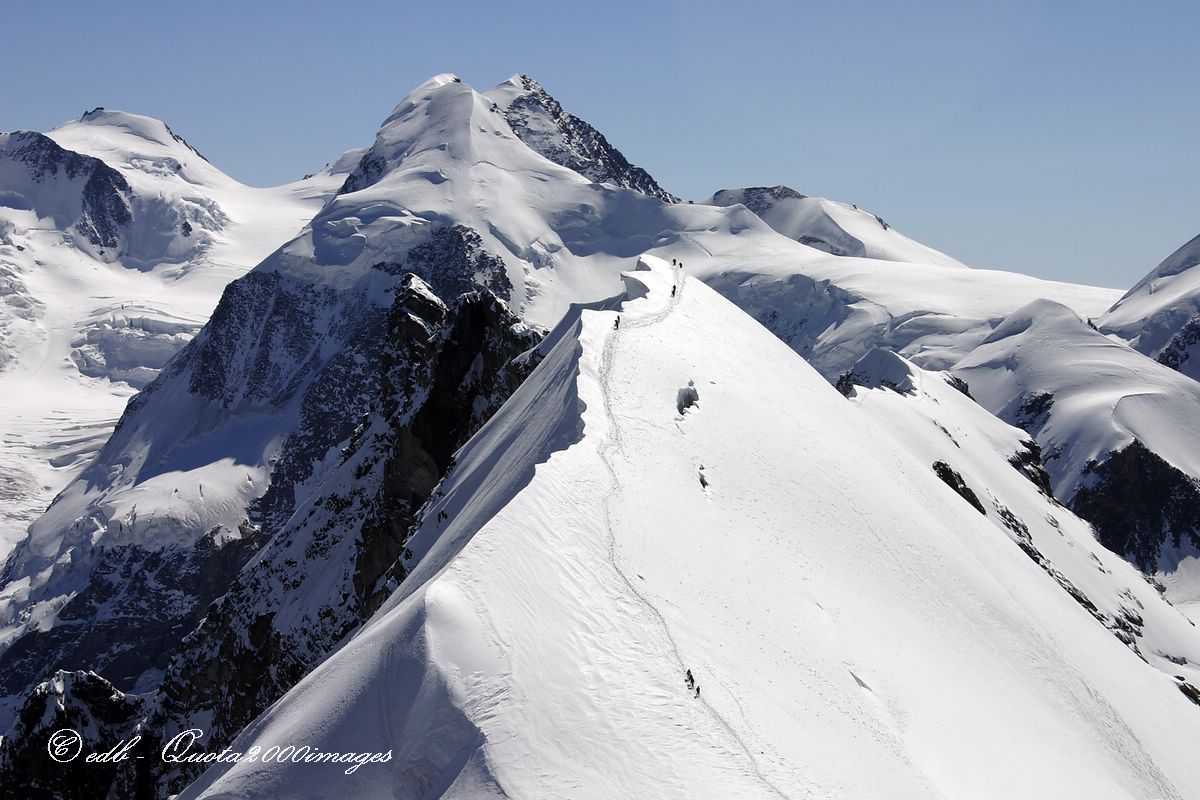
x=116, y=239
x=931, y=415
x=856, y=629
x=1160, y=316
x=840, y=229
x=1113, y=426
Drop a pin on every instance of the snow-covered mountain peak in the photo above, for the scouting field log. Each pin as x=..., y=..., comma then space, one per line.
x=1182, y=259
x=1048, y=316
x=542, y=123
x=135, y=125
x=84, y=197
x=436, y=116
x=133, y=142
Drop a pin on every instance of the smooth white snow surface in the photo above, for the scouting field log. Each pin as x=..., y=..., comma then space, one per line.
x=856, y=628
x=841, y=229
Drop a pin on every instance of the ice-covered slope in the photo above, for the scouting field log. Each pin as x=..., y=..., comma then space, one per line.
x=116, y=239
x=855, y=627
x=1160, y=316
x=841, y=229
x=1115, y=429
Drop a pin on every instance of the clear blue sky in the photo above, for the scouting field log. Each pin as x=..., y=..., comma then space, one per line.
x=1055, y=138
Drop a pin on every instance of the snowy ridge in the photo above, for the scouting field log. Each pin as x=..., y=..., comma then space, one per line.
x=840, y=229
x=1160, y=316
x=833, y=310
x=1104, y=394
x=516, y=643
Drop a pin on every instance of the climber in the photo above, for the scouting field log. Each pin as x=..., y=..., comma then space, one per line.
x=697, y=690
x=673, y=291
x=691, y=682
x=617, y=323
x=672, y=264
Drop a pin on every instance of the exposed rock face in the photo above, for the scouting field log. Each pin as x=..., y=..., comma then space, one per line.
x=955, y=481
x=371, y=167
x=1139, y=505
x=133, y=610
x=99, y=213
x=1183, y=350
x=1028, y=462
x=407, y=386
x=70, y=701
x=543, y=124
x=760, y=199
x=444, y=370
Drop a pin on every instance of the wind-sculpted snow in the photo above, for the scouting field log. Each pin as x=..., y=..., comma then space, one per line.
x=1160, y=316
x=840, y=229
x=887, y=641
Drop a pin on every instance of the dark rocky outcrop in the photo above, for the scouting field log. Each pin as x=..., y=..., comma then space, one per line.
x=577, y=146
x=1182, y=347
x=959, y=384
x=103, y=203
x=445, y=368
x=1139, y=504
x=128, y=618
x=955, y=481
x=79, y=702
x=1028, y=462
